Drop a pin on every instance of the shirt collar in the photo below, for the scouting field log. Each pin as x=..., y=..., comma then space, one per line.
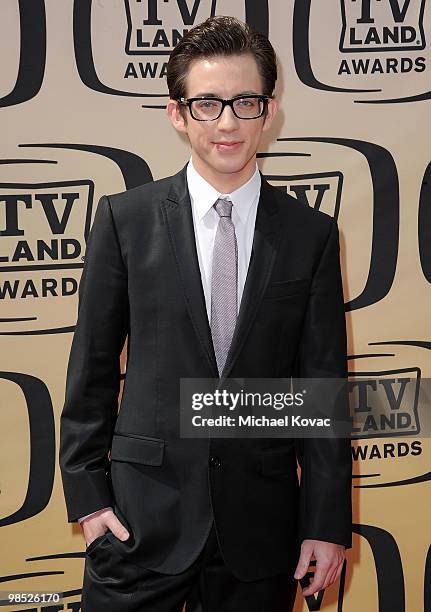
x=204, y=195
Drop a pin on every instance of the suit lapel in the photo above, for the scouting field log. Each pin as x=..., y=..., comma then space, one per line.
x=262, y=259
x=178, y=212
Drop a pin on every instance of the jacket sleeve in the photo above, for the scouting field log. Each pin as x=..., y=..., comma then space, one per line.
x=326, y=463
x=93, y=372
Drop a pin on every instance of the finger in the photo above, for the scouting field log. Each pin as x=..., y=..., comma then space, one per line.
x=304, y=562
x=117, y=528
x=339, y=570
x=335, y=572
x=91, y=540
x=318, y=580
x=330, y=576
x=93, y=531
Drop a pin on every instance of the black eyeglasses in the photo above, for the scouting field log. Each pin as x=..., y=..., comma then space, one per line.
x=208, y=108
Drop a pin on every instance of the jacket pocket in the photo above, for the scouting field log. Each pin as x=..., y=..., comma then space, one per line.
x=278, y=290
x=95, y=543
x=137, y=449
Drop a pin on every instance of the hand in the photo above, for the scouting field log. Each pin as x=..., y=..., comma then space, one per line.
x=97, y=524
x=329, y=563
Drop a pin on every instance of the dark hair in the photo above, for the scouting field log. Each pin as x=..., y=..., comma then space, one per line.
x=222, y=36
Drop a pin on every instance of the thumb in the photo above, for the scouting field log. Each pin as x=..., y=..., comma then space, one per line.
x=304, y=562
x=117, y=528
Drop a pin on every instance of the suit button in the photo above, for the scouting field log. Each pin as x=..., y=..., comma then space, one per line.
x=215, y=462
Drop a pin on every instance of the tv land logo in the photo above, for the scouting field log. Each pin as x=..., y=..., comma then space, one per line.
x=385, y=404
x=130, y=57
x=44, y=226
x=44, y=205
x=323, y=189
x=152, y=25
x=380, y=42
x=320, y=190
x=383, y=25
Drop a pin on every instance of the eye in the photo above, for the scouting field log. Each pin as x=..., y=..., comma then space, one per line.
x=207, y=103
x=247, y=102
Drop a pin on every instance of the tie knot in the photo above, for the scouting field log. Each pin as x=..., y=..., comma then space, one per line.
x=223, y=207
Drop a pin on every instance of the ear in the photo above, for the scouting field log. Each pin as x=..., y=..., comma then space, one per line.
x=272, y=108
x=174, y=113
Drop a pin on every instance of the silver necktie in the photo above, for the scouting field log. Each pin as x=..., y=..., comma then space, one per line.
x=224, y=283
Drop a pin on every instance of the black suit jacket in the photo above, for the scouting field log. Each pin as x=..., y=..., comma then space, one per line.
x=141, y=279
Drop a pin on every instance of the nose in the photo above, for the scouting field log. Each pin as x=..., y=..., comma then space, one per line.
x=227, y=120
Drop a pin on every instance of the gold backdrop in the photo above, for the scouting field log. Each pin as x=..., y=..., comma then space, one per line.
x=82, y=95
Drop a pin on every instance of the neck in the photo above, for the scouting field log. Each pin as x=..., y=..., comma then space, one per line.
x=225, y=182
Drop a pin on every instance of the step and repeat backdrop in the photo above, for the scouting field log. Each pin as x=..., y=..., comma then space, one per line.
x=82, y=98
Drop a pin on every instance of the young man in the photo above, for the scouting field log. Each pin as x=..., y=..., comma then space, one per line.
x=211, y=271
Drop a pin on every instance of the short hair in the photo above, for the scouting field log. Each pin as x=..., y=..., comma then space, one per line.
x=220, y=36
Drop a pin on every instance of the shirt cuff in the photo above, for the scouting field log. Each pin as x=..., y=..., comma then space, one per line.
x=82, y=518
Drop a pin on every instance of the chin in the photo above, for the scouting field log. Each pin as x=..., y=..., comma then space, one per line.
x=230, y=166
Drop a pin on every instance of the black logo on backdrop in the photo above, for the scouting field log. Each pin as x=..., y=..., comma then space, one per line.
x=153, y=28
x=379, y=408
x=388, y=567
x=385, y=404
x=424, y=224
x=391, y=25
x=40, y=472
x=317, y=189
x=379, y=40
x=42, y=446
x=48, y=206
x=31, y=53
x=44, y=228
x=148, y=32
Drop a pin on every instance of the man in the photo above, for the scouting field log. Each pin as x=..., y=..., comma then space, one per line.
x=211, y=272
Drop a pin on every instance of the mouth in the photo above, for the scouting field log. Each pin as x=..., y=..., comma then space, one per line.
x=227, y=145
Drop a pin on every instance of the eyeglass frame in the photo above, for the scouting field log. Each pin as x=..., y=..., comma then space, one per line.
x=229, y=102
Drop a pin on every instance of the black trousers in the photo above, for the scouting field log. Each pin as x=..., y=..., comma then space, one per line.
x=111, y=583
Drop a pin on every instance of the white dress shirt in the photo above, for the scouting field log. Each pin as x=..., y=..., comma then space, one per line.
x=203, y=196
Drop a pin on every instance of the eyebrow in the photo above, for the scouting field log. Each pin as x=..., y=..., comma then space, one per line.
x=213, y=95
